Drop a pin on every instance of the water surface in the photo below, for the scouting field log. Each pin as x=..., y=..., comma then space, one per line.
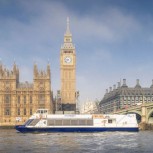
x=104, y=142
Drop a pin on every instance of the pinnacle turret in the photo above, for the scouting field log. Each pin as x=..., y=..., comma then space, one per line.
x=48, y=69
x=35, y=71
x=14, y=67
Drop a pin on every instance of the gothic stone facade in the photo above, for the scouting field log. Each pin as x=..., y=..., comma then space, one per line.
x=18, y=101
x=123, y=97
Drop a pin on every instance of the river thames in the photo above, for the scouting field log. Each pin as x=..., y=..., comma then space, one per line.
x=106, y=142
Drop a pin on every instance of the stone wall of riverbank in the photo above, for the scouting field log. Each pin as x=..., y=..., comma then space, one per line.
x=7, y=127
x=145, y=126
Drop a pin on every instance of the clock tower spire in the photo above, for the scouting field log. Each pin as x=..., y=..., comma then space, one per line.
x=68, y=26
x=68, y=36
x=68, y=72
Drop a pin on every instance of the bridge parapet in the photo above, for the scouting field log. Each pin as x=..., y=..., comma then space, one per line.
x=145, y=111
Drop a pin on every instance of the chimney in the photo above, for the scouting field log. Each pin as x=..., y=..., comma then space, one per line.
x=110, y=89
x=124, y=83
x=151, y=85
x=119, y=84
x=137, y=84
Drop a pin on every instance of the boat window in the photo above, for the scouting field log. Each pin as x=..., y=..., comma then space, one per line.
x=110, y=121
x=66, y=122
x=28, y=122
x=45, y=111
x=58, y=122
x=74, y=122
x=70, y=122
x=82, y=122
x=89, y=122
x=38, y=112
x=50, y=122
x=34, y=122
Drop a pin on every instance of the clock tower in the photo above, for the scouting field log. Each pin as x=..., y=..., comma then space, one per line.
x=68, y=72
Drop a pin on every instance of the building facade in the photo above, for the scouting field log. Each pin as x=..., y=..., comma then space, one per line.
x=90, y=107
x=18, y=101
x=124, y=97
x=68, y=72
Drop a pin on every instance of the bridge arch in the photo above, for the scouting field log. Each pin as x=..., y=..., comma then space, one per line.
x=150, y=116
x=135, y=112
x=138, y=114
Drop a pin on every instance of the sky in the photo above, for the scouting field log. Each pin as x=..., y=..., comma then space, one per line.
x=113, y=40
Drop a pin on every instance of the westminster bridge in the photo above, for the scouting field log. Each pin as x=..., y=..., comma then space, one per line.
x=144, y=112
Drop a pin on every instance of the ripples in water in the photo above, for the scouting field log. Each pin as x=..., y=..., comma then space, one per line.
x=105, y=142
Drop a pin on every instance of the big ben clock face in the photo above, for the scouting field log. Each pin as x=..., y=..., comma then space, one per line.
x=67, y=59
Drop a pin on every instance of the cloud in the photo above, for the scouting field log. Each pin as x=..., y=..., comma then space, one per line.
x=36, y=34
x=112, y=26
x=101, y=55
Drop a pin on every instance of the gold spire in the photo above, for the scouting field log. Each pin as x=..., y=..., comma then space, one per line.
x=67, y=35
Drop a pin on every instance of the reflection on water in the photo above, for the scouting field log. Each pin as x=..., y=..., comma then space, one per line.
x=106, y=142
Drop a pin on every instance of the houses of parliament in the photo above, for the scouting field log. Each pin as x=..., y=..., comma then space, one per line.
x=18, y=101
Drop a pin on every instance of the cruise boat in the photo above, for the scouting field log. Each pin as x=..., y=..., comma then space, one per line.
x=42, y=121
